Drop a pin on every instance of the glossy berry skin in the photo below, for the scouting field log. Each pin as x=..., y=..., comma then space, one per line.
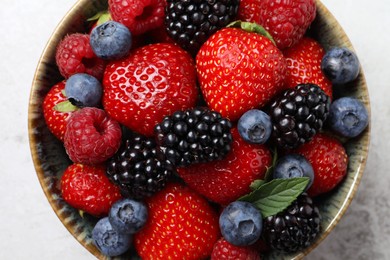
x=226, y=180
x=255, y=126
x=111, y=40
x=91, y=136
x=348, y=116
x=241, y=223
x=181, y=225
x=151, y=83
x=238, y=71
x=87, y=188
x=110, y=241
x=128, y=216
x=293, y=166
x=340, y=65
x=83, y=90
x=223, y=250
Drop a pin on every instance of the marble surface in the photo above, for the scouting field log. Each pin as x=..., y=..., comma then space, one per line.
x=29, y=229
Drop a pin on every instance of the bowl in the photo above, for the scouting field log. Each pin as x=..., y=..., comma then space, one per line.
x=50, y=159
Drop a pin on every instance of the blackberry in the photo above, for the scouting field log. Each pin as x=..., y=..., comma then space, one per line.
x=136, y=169
x=295, y=228
x=298, y=114
x=194, y=136
x=190, y=23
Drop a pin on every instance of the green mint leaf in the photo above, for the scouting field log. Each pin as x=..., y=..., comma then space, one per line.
x=275, y=196
x=65, y=106
x=256, y=184
x=252, y=27
x=270, y=170
x=100, y=17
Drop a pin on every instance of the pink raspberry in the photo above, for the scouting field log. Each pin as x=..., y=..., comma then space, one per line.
x=91, y=136
x=224, y=250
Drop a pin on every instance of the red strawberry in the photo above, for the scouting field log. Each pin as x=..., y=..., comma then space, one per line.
x=87, y=188
x=181, y=225
x=304, y=65
x=329, y=161
x=238, y=71
x=223, y=250
x=249, y=11
x=153, y=82
x=226, y=180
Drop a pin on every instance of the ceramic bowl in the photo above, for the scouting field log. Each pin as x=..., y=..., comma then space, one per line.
x=50, y=159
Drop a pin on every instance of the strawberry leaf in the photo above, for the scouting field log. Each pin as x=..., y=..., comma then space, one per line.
x=275, y=196
x=252, y=27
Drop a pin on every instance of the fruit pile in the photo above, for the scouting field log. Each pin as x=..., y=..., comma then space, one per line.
x=202, y=128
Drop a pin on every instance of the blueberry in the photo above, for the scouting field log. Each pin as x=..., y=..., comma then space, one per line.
x=241, y=223
x=293, y=166
x=255, y=126
x=340, y=65
x=348, y=116
x=111, y=40
x=128, y=215
x=83, y=90
x=109, y=241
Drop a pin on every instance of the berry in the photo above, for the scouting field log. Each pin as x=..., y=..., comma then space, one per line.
x=91, y=136
x=249, y=11
x=87, y=188
x=153, y=82
x=139, y=16
x=223, y=250
x=191, y=23
x=340, y=65
x=287, y=21
x=348, y=116
x=241, y=223
x=136, y=169
x=181, y=225
x=255, y=126
x=329, y=161
x=304, y=65
x=298, y=114
x=110, y=241
x=226, y=180
x=83, y=90
x=238, y=71
x=111, y=40
x=75, y=55
x=193, y=136
x=295, y=228
x=128, y=216
x=293, y=166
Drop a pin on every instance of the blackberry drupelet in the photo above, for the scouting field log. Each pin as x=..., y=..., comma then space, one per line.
x=298, y=114
x=295, y=228
x=193, y=136
x=136, y=169
x=190, y=23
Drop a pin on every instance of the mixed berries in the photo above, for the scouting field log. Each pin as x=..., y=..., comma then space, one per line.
x=203, y=129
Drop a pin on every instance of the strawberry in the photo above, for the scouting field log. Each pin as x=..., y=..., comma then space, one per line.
x=226, y=180
x=223, y=250
x=329, y=161
x=181, y=225
x=153, y=82
x=304, y=65
x=238, y=71
x=87, y=188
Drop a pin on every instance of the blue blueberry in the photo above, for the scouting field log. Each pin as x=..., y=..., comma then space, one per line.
x=255, y=126
x=293, y=166
x=348, y=116
x=108, y=240
x=128, y=216
x=83, y=90
x=111, y=40
x=241, y=223
x=340, y=65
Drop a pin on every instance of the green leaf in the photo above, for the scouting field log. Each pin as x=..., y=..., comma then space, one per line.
x=270, y=170
x=256, y=184
x=65, y=106
x=252, y=27
x=275, y=196
x=101, y=17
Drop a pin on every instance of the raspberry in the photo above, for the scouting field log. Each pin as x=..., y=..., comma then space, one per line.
x=91, y=137
x=224, y=250
x=75, y=55
x=249, y=11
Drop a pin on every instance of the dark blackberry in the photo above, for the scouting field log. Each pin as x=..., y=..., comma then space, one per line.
x=190, y=23
x=194, y=136
x=298, y=114
x=136, y=169
x=295, y=228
